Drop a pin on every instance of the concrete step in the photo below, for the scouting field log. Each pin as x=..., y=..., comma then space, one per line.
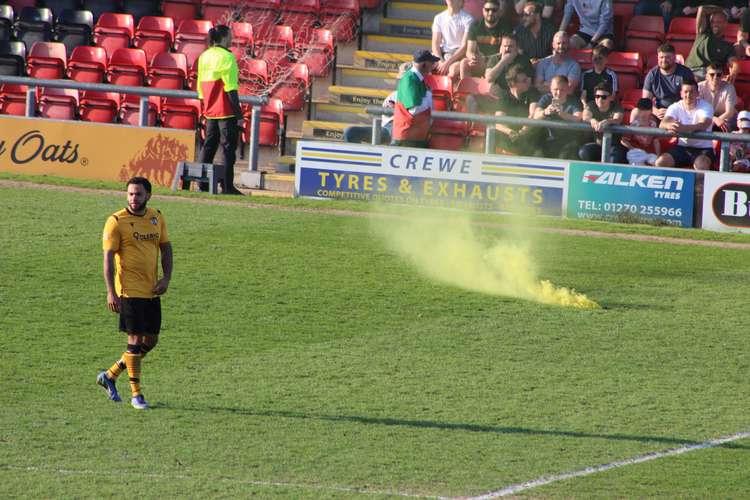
x=414, y=11
x=324, y=111
x=358, y=95
x=380, y=60
x=320, y=130
x=404, y=27
x=396, y=44
x=278, y=182
x=352, y=76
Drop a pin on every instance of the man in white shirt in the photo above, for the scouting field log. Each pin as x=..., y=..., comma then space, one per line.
x=449, y=30
x=689, y=114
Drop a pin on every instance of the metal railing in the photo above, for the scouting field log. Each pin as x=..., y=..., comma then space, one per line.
x=144, y=92
x=607, y=136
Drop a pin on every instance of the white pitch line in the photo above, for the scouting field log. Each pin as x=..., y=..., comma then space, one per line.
x=544, y=480
x=302, y=486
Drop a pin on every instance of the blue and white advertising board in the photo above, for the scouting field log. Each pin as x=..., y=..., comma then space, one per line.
x=726, y=202
x=429, y=177
x=602, y=191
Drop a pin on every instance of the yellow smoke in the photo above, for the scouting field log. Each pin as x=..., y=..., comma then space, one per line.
x=445, y=247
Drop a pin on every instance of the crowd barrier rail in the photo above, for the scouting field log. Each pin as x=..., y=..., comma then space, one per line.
x=144, y=92
x=490, y=121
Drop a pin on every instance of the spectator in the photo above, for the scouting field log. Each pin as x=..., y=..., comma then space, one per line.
x=483, y=38
x=737, y=9
x=546, y=7
x=690, y=114
x=534, y=34
x=663, y=8
x=739, y=152
x=498, y=65
x=597, y=74
x=743, y=35
x=662, y=83
x=596, y=23
x=559, y=63
x=600, y=113
x=721, y=95
x=449, y=30
x=642, y=149
x=559, y=105
x=709, y=45
x=363, y=133
x=516, y=100
x=687, y=8
x=413, y=110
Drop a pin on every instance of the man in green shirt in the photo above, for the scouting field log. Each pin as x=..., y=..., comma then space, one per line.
x=413, y=111
x=483, y=38
x=710, y=45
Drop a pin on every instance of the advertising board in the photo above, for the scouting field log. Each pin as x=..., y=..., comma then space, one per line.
x=602, y=191
x=429, y=177
x=726, y=202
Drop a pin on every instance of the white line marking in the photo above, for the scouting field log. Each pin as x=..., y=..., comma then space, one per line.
x=544, y=480
x=341, y=489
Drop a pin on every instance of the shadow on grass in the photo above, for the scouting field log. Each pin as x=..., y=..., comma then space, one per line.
x=429, y=424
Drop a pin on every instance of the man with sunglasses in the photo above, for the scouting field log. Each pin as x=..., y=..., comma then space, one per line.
x=721, y=95
x=534, y=34
x=483, y=38
x=600, y=113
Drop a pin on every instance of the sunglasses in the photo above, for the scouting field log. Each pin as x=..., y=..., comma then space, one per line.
x=490, y=10
x=601, y=96
x=713, y=74
x=528, y=14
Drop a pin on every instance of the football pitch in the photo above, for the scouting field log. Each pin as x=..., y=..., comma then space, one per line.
x=303, y=357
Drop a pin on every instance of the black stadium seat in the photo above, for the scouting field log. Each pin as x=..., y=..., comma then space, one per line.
x=74, y=28
x=99, y=7
x=57, y=6
x=6, y=22
x=34, y=25
x=12, y=58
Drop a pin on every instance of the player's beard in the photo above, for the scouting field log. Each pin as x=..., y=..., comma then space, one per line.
x=139, y=208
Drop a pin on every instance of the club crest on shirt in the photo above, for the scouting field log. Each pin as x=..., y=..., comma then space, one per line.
x=154, y=221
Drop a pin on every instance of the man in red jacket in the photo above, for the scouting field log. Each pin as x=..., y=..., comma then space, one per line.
x=218, y=81
x=413, y=110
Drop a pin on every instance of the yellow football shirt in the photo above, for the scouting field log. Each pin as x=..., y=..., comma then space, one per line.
x=135, y=239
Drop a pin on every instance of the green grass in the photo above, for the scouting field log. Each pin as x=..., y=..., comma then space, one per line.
x=300, y=358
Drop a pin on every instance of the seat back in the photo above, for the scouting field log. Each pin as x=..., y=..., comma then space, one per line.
x=74, y=28
x=157, y=24
x=88, y=64
x=47, y=60
x=681, y=28
x=13, y=99
x=116, y=22
x=127, y=67
x=644, y=26
x=99, y=107
x=180, y=113
x=141, y=8
x=12, y=58
x=193, y=28
x=154, y=34
x=61, y=104
x=180, y=10
x=7, y=17
x=168, y=71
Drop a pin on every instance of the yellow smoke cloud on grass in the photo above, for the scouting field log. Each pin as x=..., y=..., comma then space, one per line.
x=444, y=246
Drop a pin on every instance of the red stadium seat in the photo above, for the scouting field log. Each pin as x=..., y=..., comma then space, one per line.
x=60, y=104
x=13, y=99
x=100, y=107
x=681, y=34
x=190, y=38
x=629, y=69
x=180, y=113
x=442, y=91
x=466, y=87
x=47, y=60
x=301, y=16
x=644, y=35
x=276, y=47
x=114, y=31
x=730, y=32
x=253, y=76
x=88, y=64
x=291, y=87
x=220, y=11
x=130, y=109
x=154, y=35
x=242, y=37
x=341, y=17
x=168, y=71
x=448, y=134
x=623, y=12
x=192, y=75
x=179, y=10
x=582, y=57
x=317, y=53
x=629, y=101
x=271, y=123
x=127, y=67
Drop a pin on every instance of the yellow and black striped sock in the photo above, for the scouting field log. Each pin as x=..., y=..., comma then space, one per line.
x=116, y=369
x=133, y=362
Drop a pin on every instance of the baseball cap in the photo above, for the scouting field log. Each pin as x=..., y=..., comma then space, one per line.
x=743, y=119
x=425, y=55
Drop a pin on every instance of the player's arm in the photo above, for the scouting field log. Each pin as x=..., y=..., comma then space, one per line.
x=113, y=301
x=166, y=266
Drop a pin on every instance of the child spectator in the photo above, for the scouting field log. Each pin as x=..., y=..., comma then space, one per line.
x=600, y=73
x=642, y=149
x=739, y=152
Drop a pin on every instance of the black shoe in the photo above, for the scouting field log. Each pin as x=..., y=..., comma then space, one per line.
x=233, y=190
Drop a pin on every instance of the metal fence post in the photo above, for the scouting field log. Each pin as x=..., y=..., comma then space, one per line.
x=606, y=146
x=30, y=101
x=375, y=139
x=724, y=160
x=252, y=159
x=489, y=140
x=143, y=112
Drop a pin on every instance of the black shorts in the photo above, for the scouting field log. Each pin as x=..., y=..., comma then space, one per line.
x=140, y=316
x=587, y=38
x=685, y=157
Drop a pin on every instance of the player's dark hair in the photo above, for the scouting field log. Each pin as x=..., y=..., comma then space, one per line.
x=666, y=48
x=512, y=74
x=603, y=86
x=141, y=181
x=599, y=50
x=690, y=82
x=218, y=34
